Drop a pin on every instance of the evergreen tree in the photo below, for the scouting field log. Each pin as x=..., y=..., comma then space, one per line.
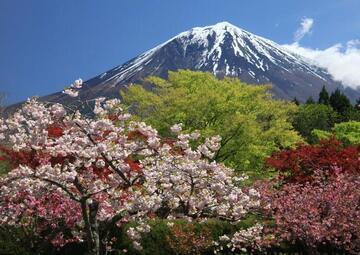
x=296, y=101
x=357, y=104
x=310, y=100
x=324, y=96
x=340, y=103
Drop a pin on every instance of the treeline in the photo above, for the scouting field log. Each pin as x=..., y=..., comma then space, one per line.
x=324, y=113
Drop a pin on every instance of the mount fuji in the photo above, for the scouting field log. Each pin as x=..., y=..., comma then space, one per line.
x=224, y=50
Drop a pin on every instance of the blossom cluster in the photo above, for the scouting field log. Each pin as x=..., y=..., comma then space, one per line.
x=73, y=89
x=245, y=240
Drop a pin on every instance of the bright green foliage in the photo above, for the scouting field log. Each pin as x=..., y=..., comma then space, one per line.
x=347, y=132
x=314, y=116
x=318, y=135
x=252, y=125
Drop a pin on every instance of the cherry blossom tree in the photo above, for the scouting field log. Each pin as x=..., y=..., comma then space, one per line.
x=74, y=177
x=318, y=213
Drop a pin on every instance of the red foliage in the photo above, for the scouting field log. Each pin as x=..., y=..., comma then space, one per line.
x=55, y=131
x=102, y=137
x=133, y=165
x=113, y=117
x=330, y=156
x=16, y=158
x=136, y=135
x=175, y=150
x=102, y=173
x=31, y=158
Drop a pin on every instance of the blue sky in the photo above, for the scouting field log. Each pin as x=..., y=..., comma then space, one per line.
x=45, y=45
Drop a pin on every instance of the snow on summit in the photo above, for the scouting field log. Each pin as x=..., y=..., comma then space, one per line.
x=225, y=50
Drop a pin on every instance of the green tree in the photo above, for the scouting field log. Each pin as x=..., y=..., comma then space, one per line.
x=341, y=103
x=353, y=114
x=252, y=125
x=310, y=100
x=324, y=96
x=296, y=101
x=357, y=104
x=314, y=116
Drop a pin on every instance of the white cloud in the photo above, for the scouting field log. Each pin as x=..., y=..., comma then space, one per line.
x=305, y=28
x=342, y=62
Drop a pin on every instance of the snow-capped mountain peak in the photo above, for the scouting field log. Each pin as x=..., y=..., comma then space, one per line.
x=225, y=50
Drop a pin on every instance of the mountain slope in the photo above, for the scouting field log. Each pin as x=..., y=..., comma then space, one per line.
x=224, y=50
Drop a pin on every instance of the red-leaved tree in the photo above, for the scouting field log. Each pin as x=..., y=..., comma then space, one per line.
x=330, y=156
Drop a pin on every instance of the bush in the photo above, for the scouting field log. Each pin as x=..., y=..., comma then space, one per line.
x=330, y=157
x=347, y=132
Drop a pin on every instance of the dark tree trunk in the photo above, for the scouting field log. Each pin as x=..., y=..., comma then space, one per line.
x=89, y=211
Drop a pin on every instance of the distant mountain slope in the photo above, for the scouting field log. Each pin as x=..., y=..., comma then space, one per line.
x=224, y=50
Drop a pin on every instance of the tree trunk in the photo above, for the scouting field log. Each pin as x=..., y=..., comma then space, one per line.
x=89, y=211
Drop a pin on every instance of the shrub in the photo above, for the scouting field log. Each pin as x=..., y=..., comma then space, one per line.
x=330, y=157
x=347, y=132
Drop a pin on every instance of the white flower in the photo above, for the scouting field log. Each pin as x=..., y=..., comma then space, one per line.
x=170, y=224
x=254, y=192
x=100, y=100
x=58, y=111
x=176, y=128
x=195, y=135
x=71, y=92
x=224, y=238
x=77, y=84
x=100, y=163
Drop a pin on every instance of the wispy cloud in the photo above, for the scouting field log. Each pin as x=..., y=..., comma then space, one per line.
x=341, y=61
x=305, y=28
